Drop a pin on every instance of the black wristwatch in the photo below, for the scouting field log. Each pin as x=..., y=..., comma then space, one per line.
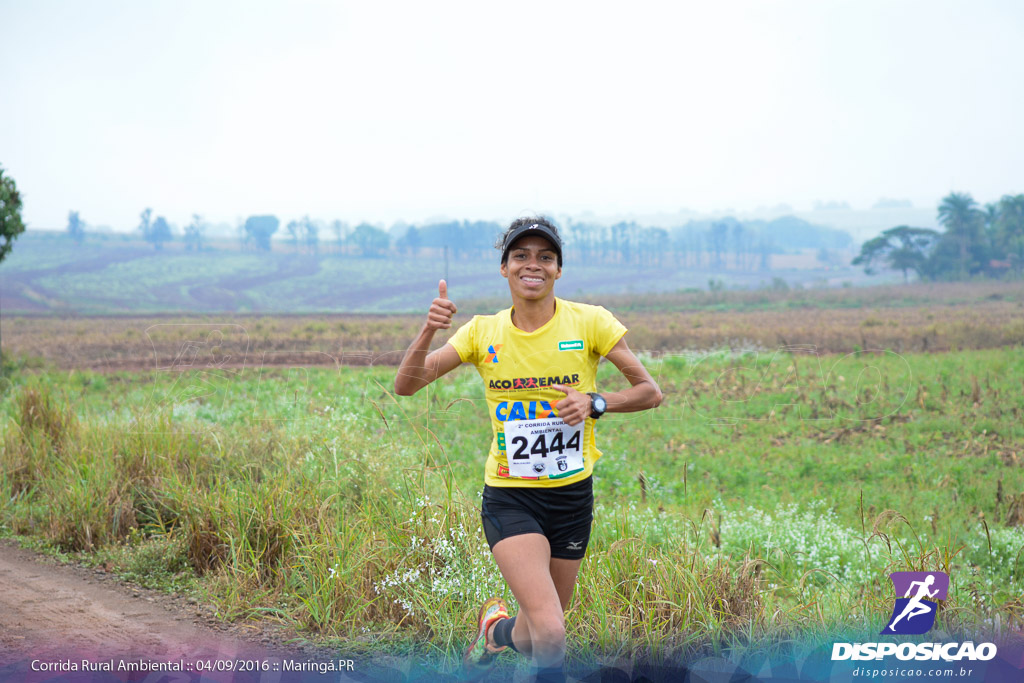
x=597, y=404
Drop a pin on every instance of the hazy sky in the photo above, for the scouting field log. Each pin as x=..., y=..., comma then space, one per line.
x=388, y=111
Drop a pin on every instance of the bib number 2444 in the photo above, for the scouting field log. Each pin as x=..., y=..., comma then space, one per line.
x=543, y=447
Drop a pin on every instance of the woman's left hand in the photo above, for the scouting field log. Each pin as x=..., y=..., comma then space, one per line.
x=574, y=408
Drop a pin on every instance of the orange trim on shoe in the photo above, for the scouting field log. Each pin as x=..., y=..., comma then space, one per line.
x=480, y=654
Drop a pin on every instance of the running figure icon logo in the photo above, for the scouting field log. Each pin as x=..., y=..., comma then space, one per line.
x=914, y=613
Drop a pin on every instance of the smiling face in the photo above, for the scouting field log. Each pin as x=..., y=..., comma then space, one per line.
x=531, y=268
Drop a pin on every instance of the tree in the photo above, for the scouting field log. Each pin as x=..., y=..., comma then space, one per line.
x=159, y=232
x=964, y=222
x=76, y=227
x=310, y=234
x=293, y=230
x=654, y=244
x=740, y=240
x=410, y=241
x=10, y=220
x=145, y=223
x=155, y=232
x=194, y=233
x=340, y=230
x=1009, y=234
x=717, y=237
x=990, y=219
x=10, y=214
x=260, y=229
x=372, y=241
x=901, y=248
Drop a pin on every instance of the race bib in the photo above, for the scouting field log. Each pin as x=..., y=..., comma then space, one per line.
x=544, y=447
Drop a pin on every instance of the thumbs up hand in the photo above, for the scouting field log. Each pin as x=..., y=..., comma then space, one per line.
x=439, y=317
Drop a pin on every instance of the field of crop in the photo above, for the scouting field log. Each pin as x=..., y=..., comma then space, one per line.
x=934, y=317
x=768, y=498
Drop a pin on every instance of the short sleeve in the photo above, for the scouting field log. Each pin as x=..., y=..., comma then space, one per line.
x=464, y=341
x=606, y=331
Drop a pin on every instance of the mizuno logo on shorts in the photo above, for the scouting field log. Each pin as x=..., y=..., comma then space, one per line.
x=574, y=545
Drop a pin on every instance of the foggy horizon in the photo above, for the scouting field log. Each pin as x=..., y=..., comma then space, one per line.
x=410, y=113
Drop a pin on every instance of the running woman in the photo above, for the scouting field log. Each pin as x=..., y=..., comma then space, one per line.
x=538, y=360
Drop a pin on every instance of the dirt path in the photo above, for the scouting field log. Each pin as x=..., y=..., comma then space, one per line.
x=54, y=615
x=48, y=608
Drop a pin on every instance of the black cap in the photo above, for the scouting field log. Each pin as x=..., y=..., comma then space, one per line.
x=532, y=229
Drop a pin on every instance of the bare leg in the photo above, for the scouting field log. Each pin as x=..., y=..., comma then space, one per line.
x=543, y=587
x=564, y=573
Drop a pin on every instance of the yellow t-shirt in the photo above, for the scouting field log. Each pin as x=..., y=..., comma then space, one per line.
x=518, y=369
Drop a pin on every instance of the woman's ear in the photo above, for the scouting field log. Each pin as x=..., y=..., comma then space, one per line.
x=504, y=270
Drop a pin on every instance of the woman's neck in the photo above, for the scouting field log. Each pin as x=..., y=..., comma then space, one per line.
x=530, y=316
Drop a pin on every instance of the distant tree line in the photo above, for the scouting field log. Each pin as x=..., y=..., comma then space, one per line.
x=721, y=243
x=724, y=243
x=977, y=241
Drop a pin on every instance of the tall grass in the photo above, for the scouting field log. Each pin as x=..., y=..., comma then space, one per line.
x=354, y=515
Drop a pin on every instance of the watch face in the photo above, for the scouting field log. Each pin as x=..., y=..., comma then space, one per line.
x=600, y=404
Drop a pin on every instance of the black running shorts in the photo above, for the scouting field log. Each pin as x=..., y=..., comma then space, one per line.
x=562, y=514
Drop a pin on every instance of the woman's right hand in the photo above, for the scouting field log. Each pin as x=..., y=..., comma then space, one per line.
x=439, y=317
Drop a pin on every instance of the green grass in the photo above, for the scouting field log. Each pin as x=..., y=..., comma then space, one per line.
x=769, y=497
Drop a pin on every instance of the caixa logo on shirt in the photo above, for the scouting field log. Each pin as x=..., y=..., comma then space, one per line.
x=523, y=410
